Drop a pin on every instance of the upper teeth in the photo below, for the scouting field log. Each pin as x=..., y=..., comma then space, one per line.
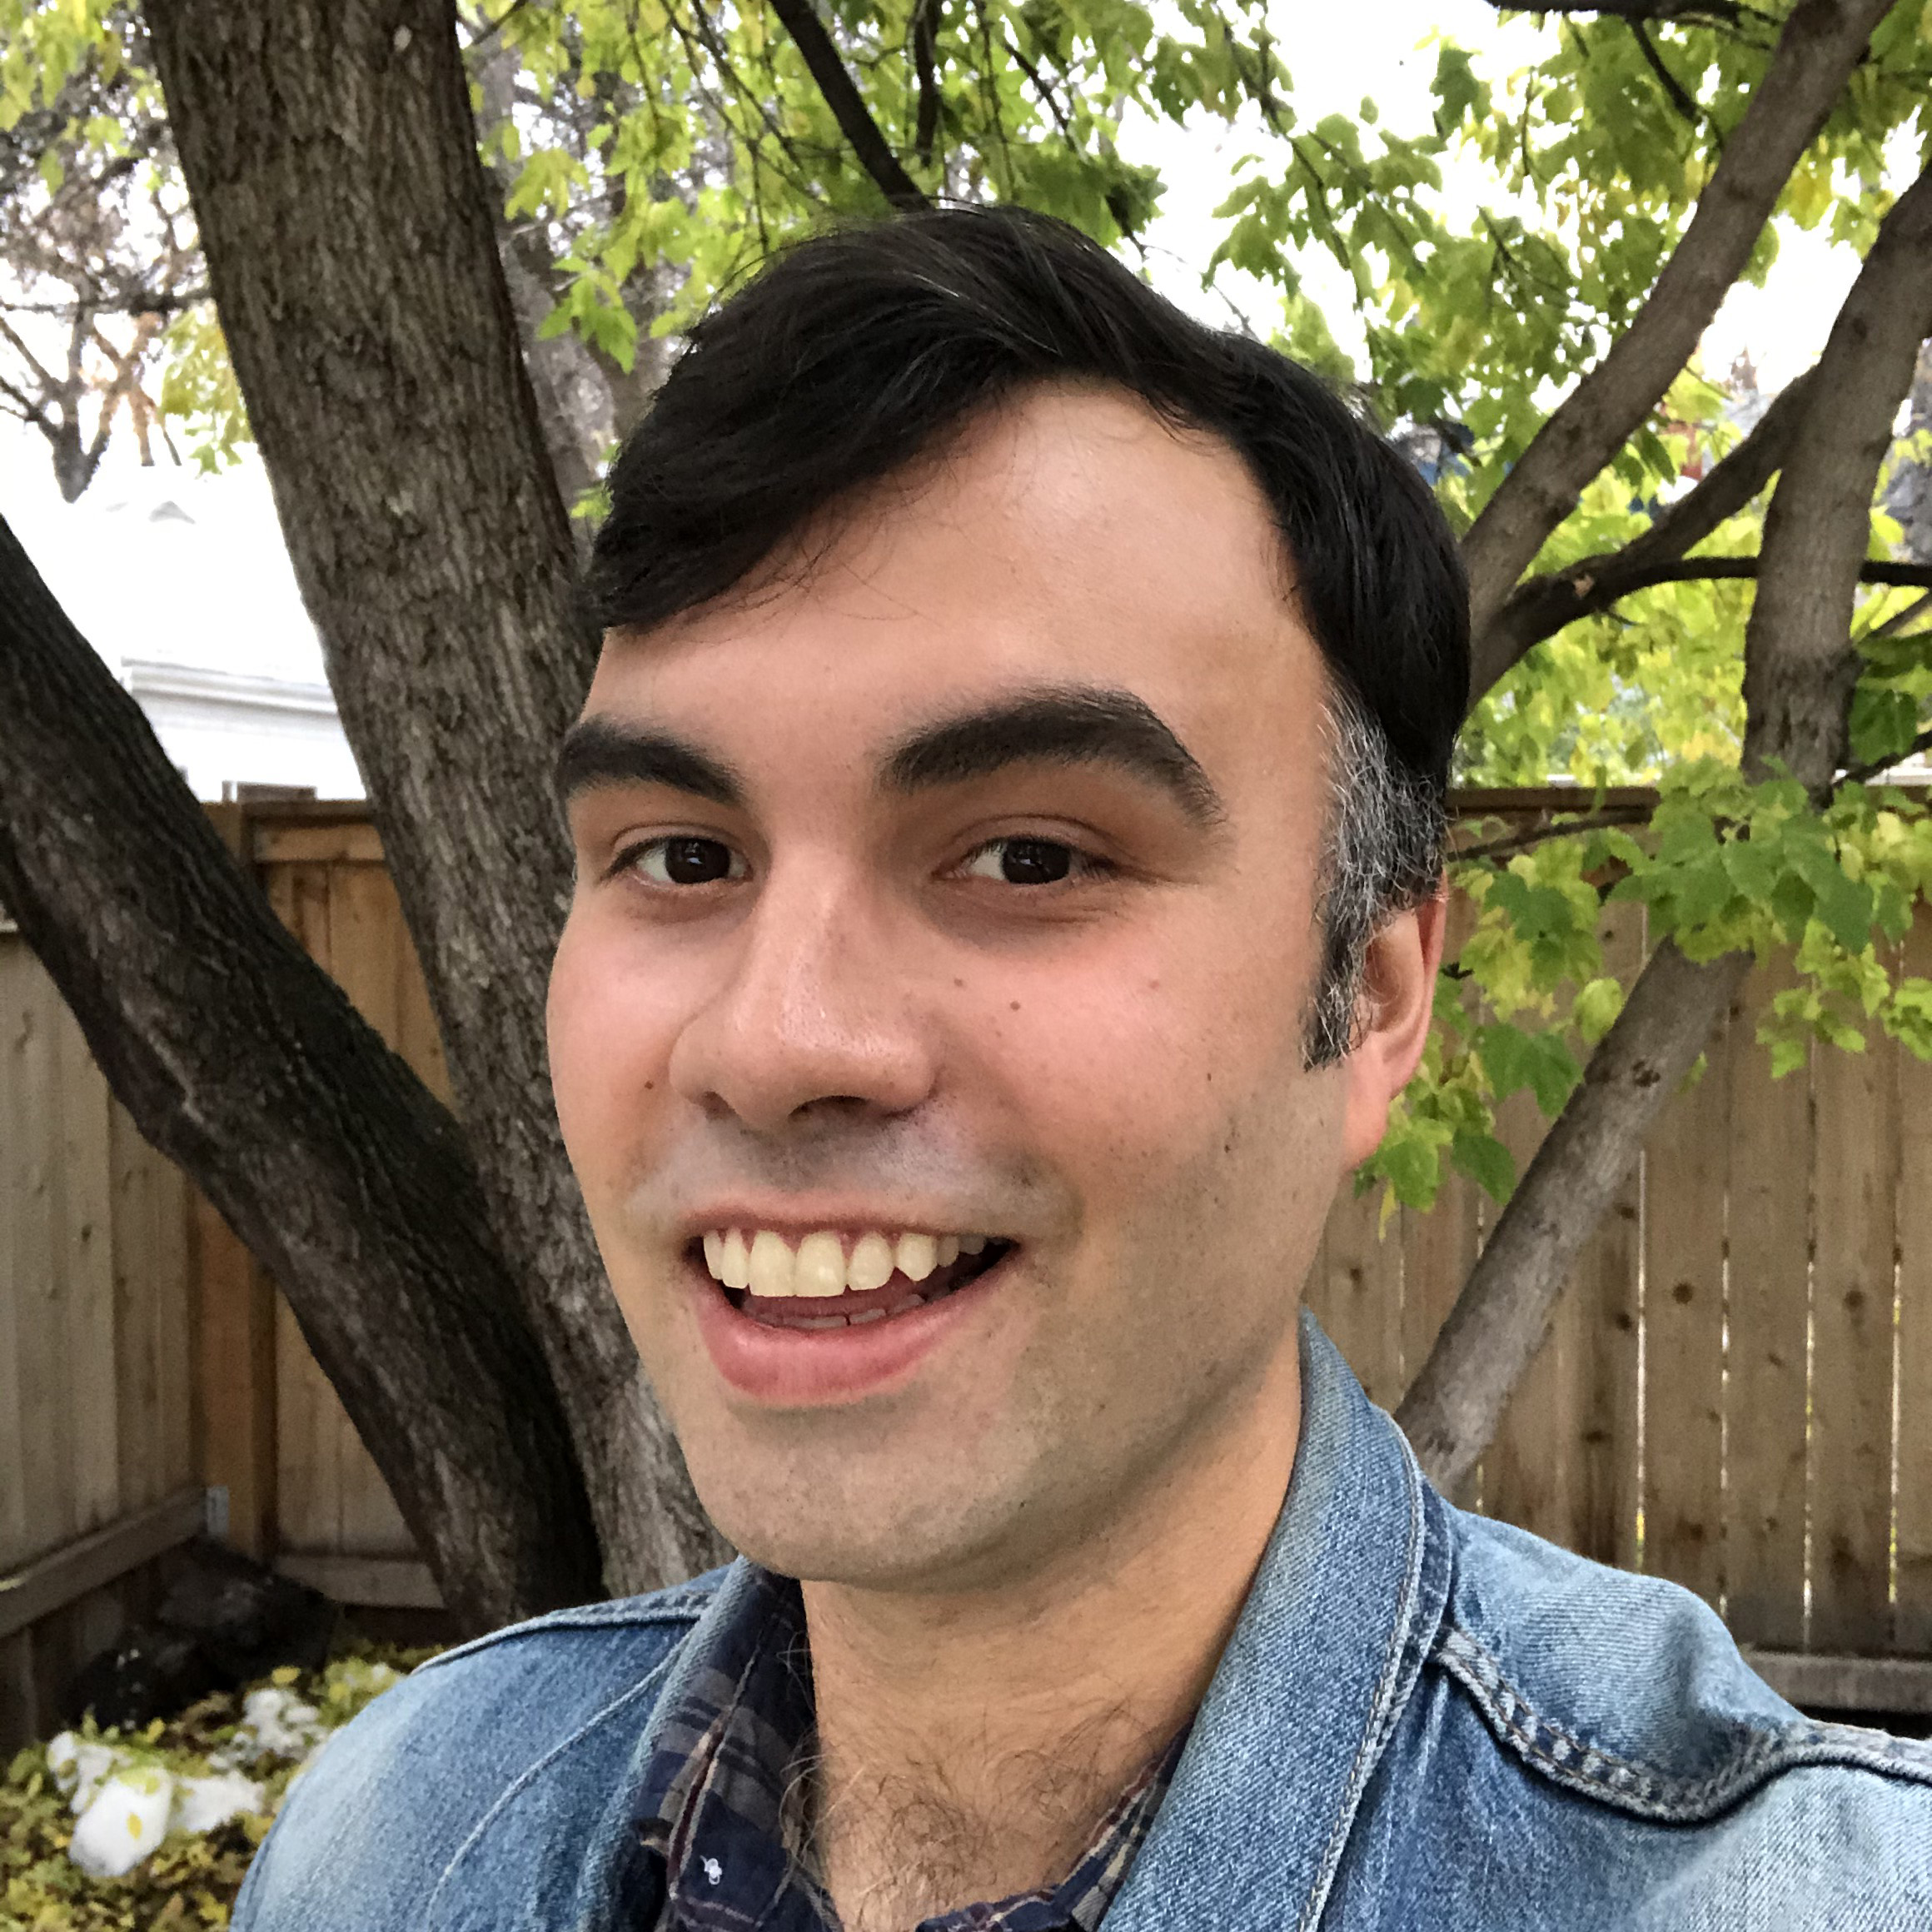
x=767, y=1263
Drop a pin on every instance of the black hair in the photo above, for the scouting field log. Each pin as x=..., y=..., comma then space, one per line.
x=862, y=348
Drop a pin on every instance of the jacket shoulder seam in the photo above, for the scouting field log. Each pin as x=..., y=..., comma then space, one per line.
x=1645, y=1790
x=679, y=1607
x=649, y=1685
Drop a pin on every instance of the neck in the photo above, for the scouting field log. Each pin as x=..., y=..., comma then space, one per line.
x=971, y=1741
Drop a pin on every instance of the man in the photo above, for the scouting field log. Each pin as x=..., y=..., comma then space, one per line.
x=1009, y=814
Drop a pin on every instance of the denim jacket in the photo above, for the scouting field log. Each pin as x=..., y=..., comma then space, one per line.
x=1423, y=1720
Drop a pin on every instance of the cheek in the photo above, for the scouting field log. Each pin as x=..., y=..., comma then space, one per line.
x=1132, y=1071
x=607, y=1051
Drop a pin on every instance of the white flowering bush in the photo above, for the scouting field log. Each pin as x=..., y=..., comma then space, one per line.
x=100, y=1829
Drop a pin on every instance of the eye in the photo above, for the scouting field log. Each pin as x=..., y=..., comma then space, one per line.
x=684, y=861
x=1028, y=862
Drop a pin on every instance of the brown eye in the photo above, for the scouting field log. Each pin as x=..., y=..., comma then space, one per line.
x=1023, y=861
x=687, y=861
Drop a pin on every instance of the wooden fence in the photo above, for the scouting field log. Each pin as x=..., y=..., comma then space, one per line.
x=97, y=1460
x=1737, y=1391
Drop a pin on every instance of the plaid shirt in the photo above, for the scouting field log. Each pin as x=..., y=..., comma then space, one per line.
x=721, y=1803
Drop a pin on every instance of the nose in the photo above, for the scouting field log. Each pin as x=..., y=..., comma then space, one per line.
x=814, y=1016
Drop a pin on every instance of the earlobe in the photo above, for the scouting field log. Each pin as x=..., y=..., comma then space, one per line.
x=1398, y=991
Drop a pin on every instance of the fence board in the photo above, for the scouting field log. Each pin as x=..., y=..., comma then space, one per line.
x=139, y=1317
x=236, y=1379
x=87, y=1262
x=1855, y=1100
x=1684, y=1182
x=1604, y=1295
x=87, y=1413
x=1768, y=1276
x=174, y=1294
x=1527, y=1470
x=1439, y=1249
x=1356, y=1291
x=1912, y=1628
x=370, y=956
x=45, y=1466
x=16, y=1175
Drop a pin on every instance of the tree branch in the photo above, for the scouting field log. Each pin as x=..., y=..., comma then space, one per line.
x=1540, y=606
x=1800, y=663
x=1672, y=86
x=1860, y=773
x=1899, y=620
x=1821, y=43
x=841, y=95
x=1800, y=666
x=1577, y=593
x=1515, y=842
x=925, y=48
x=1708, y=12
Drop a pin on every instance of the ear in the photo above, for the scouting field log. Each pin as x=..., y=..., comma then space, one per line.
x=1398, y=997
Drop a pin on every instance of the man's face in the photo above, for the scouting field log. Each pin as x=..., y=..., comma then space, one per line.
x=963, y=886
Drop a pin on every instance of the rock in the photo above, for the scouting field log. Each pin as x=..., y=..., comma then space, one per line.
x=225, y=1621
x=151, y=1672
x=248, y=1620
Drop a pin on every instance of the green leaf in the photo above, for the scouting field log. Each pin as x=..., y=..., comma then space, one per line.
x=1844, y=904
x=1595, y=1010
x=1487, y=1162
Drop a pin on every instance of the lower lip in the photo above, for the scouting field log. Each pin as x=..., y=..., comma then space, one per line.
x=817, y=1367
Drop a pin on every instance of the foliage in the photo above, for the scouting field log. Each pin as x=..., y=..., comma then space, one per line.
x=199, y=391
x=192, y=1879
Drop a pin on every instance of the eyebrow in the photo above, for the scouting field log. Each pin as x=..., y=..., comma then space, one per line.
x=1057, y=724
x=599, y=751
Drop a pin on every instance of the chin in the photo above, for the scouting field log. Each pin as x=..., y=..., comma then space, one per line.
x=887, y=1536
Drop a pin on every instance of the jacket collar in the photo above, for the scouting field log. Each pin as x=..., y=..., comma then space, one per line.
x=1327, y=1651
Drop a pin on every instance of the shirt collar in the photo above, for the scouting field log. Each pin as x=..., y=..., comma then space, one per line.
x=713, y=1802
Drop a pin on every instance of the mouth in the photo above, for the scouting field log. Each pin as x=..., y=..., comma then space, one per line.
x=840, y=1278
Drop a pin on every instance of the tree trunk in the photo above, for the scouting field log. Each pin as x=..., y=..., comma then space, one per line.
x=242, y=1060
x=329, y=151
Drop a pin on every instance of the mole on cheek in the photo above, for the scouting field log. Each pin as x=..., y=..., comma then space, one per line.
x=1016, y=1006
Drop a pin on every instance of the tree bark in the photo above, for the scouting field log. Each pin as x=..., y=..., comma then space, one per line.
x=1799, y=668
x=242, y=1060
x=330, y=158
x=1822, y=41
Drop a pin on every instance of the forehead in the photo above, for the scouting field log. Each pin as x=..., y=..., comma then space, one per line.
x=1070, y=536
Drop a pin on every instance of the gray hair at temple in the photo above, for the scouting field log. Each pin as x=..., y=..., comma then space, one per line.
x=1382, y=855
